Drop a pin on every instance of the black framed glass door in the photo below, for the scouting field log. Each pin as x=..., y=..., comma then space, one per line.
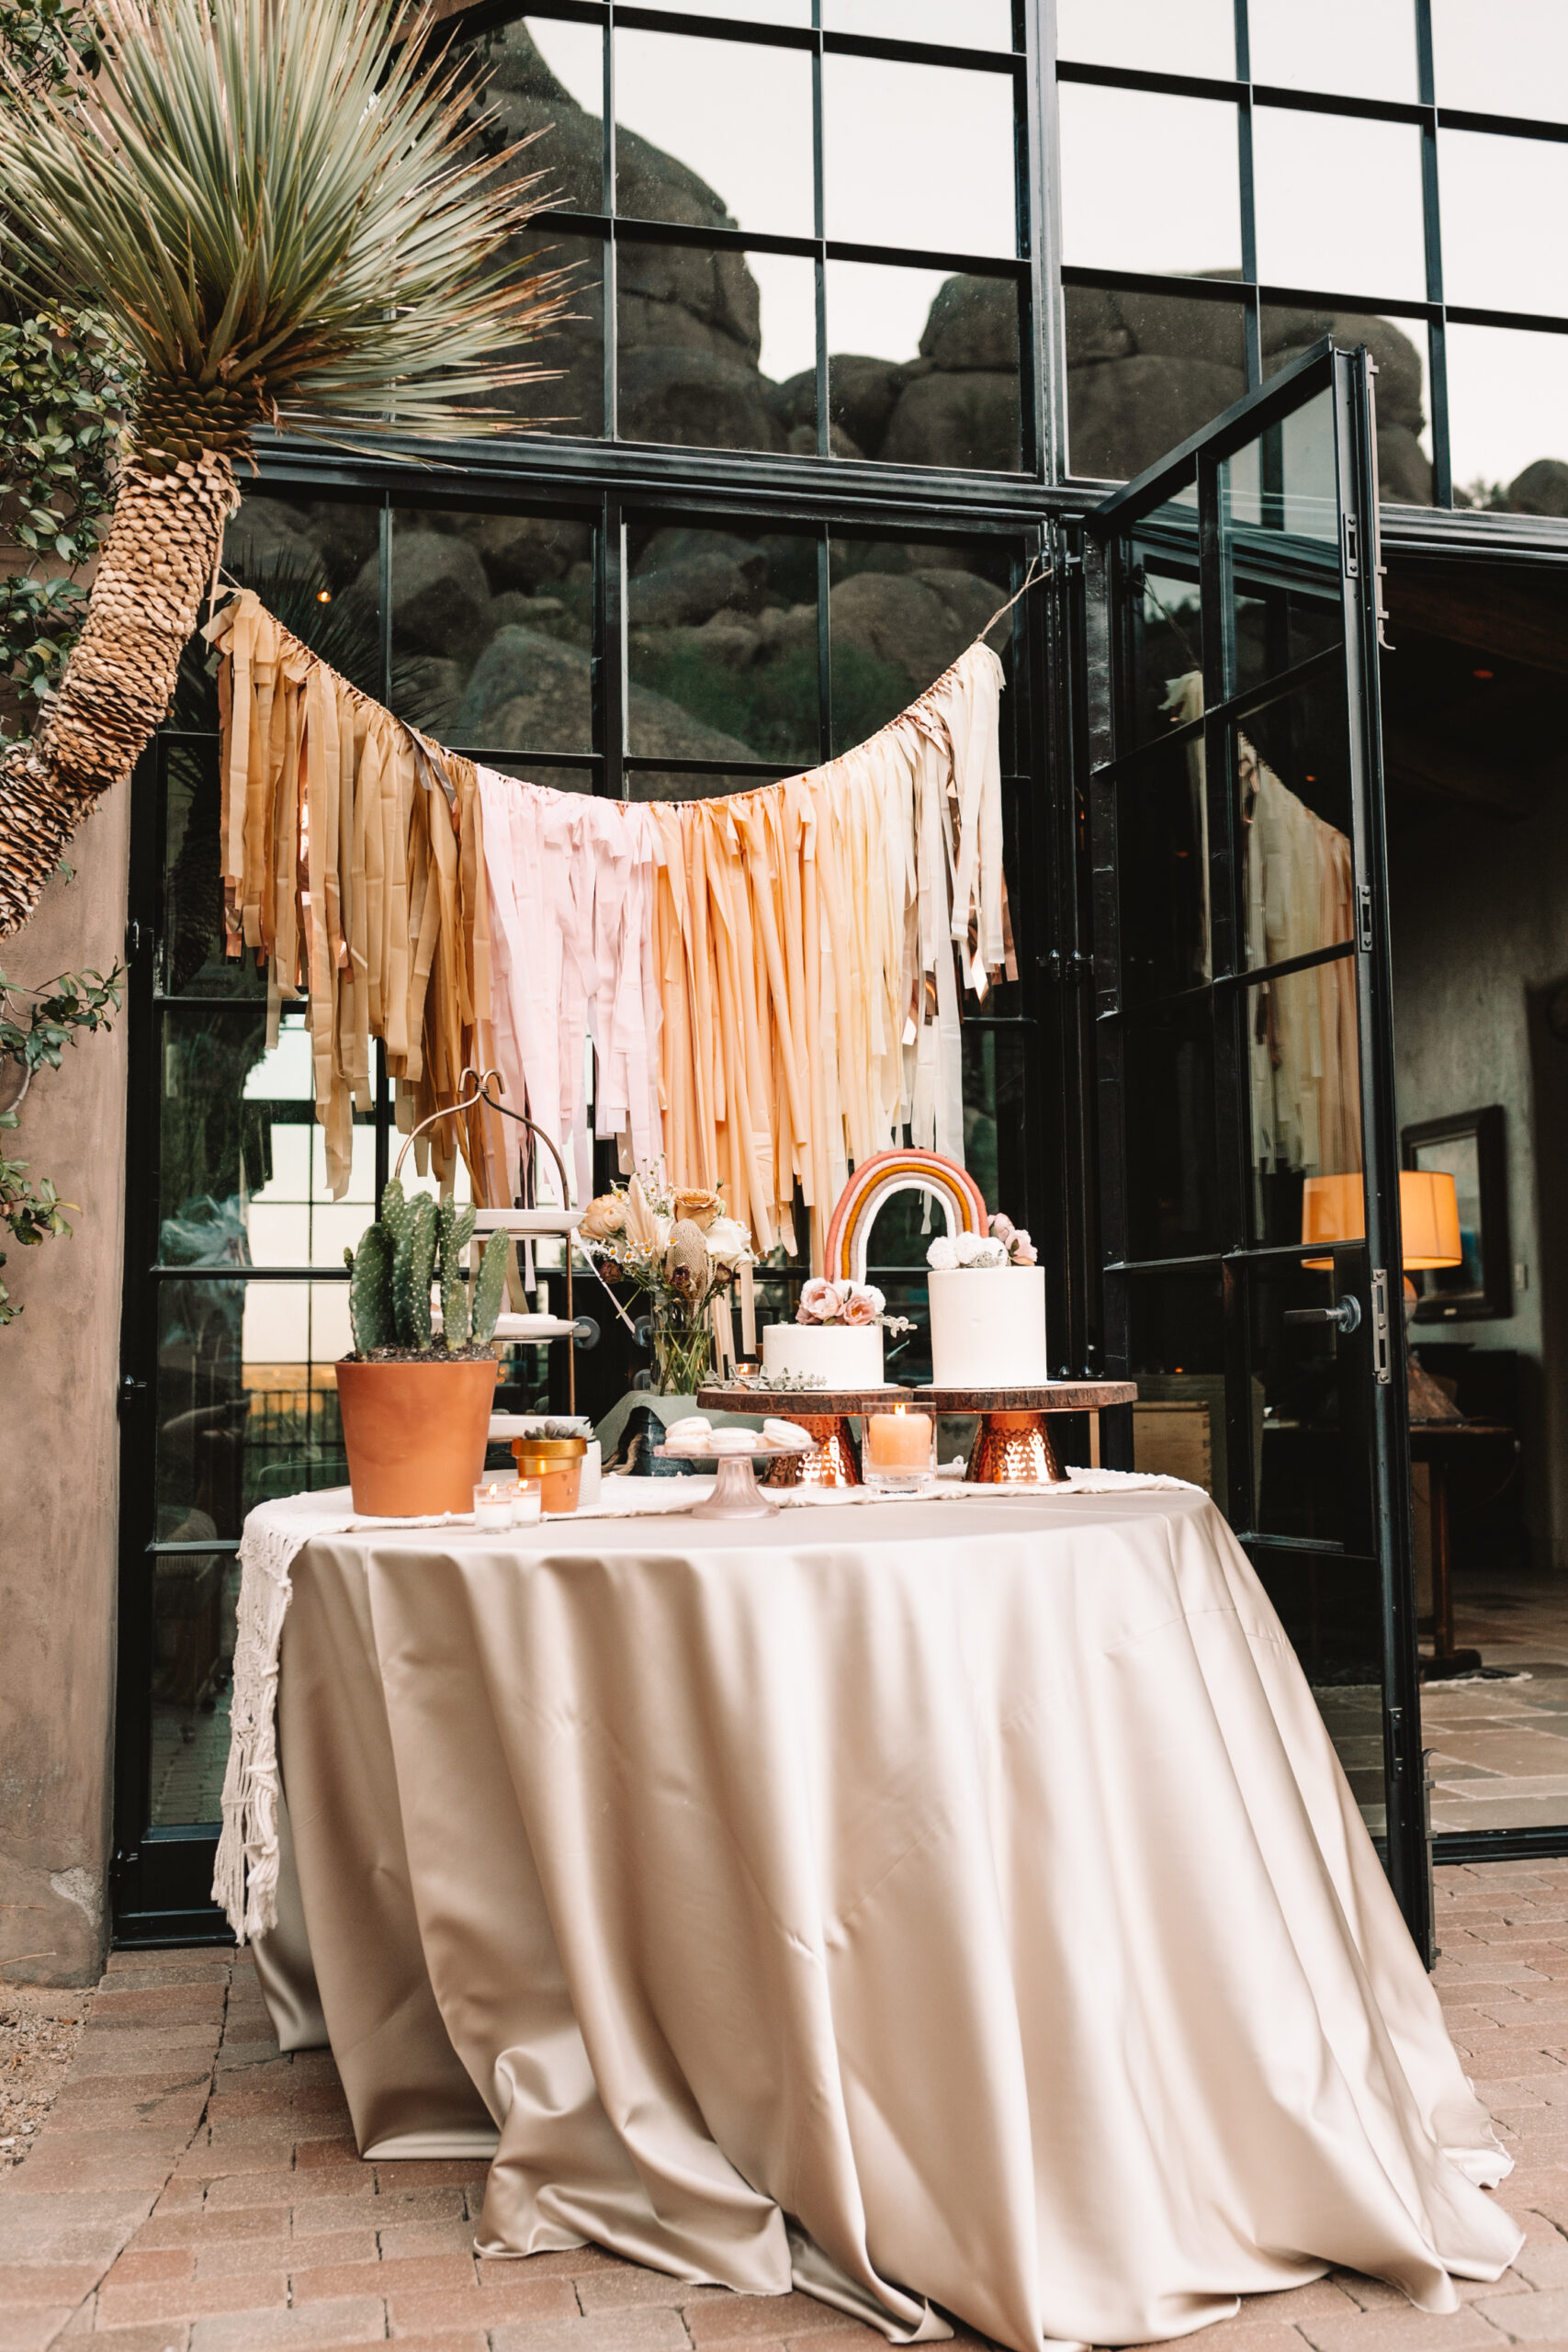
x=1243, y=1045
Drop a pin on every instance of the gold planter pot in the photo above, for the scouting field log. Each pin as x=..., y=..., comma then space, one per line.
x=557, y=1463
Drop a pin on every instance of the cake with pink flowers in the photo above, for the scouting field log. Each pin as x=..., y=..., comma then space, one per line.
x=836, y=1338
x=987, y=1308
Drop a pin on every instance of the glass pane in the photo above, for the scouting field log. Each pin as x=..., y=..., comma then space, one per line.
x=195, y=958
x=722, y=647
x=1399, y=349
x=1304, y=1083
x=1168, y=1087
x=1144, y=371
x=538, y=73
x=244, y=1178
x=754, y=12
x=1357, y=49
x=883, y=123
x=246, y=1401
x=540, y=771
x=966, y=24
x=1150, y=35
x=1278, y=525
x=715, y=132
x=1312, y=1378
x=1162, y=863
x=1290, y=767
x=1162, y=654
x=492, y=624
x=194, y=1604
x=569, y=397
x=1362, y=232
x=1493, y=188
x=674, y=784
x=1174, y=207
x=1508, y=419
x=930, y=374
x=708, y=341
x=1332, y=1611
x=900, y=613
x=1502, y=57
x=1176, y=1353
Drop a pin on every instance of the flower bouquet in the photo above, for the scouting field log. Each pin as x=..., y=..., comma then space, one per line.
x=678, y=1247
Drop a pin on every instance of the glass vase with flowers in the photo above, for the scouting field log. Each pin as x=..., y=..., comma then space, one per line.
x=676, y=1246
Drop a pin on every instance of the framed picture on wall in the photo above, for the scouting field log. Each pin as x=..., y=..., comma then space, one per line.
x=1470, y=1147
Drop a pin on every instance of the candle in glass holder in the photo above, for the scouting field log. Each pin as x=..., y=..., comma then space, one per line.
x=527, y=1501
x=899, y=1448
x=493, y=1503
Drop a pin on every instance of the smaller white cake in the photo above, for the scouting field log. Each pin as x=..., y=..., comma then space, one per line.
x=988, y=1327
x=843, y=1355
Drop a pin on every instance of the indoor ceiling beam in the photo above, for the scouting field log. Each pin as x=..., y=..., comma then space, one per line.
x=1487, y=612
x=1445, y=769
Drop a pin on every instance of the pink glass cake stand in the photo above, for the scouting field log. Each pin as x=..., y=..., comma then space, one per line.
x=736, y=1494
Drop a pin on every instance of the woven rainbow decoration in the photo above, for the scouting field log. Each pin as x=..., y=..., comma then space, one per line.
x=875, y=1182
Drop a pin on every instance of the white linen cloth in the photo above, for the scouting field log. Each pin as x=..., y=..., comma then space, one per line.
x=937, y=1909
x=245, y=1871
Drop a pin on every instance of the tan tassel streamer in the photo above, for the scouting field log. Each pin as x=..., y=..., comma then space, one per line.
x=152, y=572
x=353, y=870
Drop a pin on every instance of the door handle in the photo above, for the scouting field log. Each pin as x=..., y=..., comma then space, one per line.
x=1347, y=1314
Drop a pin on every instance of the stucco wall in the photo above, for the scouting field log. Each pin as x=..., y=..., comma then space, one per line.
x=58, y=1454
x=1480, y=915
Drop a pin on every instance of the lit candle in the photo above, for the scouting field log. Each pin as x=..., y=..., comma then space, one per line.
x=899, y=1440
x=527, y=1500
x=493, y=1504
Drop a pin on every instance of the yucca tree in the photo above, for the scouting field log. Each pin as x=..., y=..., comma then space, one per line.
x=282, y=208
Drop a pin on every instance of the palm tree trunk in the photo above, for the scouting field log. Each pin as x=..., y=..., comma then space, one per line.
x=160, y=555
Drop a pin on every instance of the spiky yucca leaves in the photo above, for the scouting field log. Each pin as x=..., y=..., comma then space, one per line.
x=283, y=218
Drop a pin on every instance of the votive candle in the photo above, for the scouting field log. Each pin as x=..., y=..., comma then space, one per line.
x=899, y=1440
x=493, y=1503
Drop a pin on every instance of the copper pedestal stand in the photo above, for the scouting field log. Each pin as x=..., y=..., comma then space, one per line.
x=823, y=1413
x=1012, y=1446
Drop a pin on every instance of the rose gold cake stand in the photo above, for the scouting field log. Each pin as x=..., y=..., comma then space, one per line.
x=1013, y=1447
x=824, y=1413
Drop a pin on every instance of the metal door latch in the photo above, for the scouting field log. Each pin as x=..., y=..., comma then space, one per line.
x=1364, y=917
x=1380, y=1364
x=1347, y=1314
x=1352, y=548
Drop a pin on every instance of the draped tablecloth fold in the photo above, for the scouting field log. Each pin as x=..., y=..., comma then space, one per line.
x=939, y=1911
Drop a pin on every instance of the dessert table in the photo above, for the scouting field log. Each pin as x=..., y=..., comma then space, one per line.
x=941, y=1906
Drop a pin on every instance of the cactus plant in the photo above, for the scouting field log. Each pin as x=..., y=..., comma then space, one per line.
x=413, y=1243
x=370, y=1290
x=490, y=1287
x=413, y=1263
x=454, y=1229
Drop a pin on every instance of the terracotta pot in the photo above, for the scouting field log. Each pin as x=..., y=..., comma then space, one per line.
x=415, y=1434
x=557, y=1463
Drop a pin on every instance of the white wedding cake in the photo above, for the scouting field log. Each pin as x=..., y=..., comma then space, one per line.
x=988, y=1327
x=844, y=1356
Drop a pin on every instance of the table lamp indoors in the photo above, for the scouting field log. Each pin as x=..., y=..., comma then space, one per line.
x=1333, y=1209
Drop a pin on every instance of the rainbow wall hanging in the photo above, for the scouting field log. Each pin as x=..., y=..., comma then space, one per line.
x=874, y=1182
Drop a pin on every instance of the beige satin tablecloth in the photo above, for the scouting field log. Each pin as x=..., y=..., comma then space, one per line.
x=923, y=1905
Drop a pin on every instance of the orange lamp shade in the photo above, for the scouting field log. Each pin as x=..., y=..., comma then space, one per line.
x=1332, y=1210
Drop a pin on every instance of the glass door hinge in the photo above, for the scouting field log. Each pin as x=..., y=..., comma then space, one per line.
x=1382, y=1364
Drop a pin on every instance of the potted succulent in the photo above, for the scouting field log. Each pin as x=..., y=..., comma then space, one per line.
x=415, y=1403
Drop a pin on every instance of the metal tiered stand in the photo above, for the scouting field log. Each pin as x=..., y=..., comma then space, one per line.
x=1012, y=1446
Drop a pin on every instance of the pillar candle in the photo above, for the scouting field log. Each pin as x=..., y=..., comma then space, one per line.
x=900, y=1440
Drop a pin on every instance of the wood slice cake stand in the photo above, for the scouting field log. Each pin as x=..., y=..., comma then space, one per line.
x=834, y=1460
x=1013, y=1445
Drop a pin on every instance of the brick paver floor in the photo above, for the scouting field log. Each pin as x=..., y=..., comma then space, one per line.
x=194, y=2191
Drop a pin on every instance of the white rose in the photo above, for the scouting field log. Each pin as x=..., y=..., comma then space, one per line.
x=728, y=1242
x=971, y=1248
x=942, y=1254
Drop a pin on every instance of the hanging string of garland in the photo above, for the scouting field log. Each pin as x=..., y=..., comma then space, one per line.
x=770, y=982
